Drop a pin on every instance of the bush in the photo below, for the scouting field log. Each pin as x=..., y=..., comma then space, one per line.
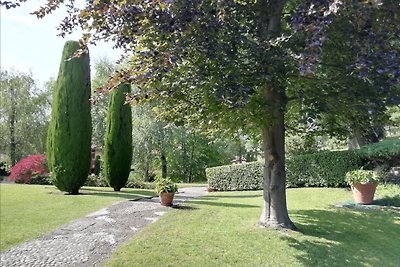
x=41, y=179
x=319, y=169
x=96, y=181
x=384, y=154
x=26, y=168
x=4, y=169
x=237, y=177
x=322, y=169
x=135, y=183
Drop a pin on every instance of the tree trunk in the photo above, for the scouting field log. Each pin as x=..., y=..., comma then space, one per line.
x=146, y=171
x=163, y=156
x=274, y=213
x=13, y=116
x=357, y=139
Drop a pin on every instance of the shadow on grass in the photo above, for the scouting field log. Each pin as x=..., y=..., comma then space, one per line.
x=388, y=201
x=347, y=238
x=223, y=204
x=181, y=207
x=232, y=196
x=131, y=194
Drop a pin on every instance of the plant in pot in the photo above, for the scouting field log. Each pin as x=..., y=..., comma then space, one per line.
x=166, y=189
x=363, y=185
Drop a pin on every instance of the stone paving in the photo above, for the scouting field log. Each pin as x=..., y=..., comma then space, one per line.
x=90, y=240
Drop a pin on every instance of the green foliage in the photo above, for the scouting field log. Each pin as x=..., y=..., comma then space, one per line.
x=165, y=185
x=319, y=169
x=24, y=115
x=361, y=176
x=237, y=177
x=40, y=179
x=68, y=142
x=384, y=154
x=118, y=139
x=97, y=166
x=103, y=68
x=96, y=181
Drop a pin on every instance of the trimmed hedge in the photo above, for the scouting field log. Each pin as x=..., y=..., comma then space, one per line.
x=320, y=169
x=237, y=177
x=385, y=154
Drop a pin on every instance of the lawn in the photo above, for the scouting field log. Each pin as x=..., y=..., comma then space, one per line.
x=28, y=211
x=220, y=230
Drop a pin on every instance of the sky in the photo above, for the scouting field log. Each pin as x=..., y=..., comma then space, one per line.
x=31, y=44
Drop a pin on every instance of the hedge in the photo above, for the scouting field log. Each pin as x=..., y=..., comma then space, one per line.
x=237, y=177
x=320, y=169
x=385, y=154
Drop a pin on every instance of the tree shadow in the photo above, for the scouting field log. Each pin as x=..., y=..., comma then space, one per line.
x=343, y=237
x=233, y=196
x=388, y=201
x=223, y=204
x=131, y=194
x=184, y=207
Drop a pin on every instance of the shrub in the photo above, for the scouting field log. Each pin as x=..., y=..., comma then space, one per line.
x=26, y=168
x=322, y=169
x=118, y=139
x=4, y=169
x=96, y=181
x=97, y=166
x=237, y=177
x=41, y=179
x=137, y=183
x=384, y=154
x=319, y=169
x=69, y=135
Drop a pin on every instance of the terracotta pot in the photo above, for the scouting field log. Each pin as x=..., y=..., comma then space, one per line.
x=363, y=193
x=166, y=198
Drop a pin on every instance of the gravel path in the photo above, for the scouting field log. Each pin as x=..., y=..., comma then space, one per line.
x=90, y=240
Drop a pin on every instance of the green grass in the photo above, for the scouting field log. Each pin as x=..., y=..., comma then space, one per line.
x=220, y=230
x=28, y=211
x=182, y=185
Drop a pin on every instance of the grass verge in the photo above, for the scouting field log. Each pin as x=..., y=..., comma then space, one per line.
x=220, y=230
x=28, y=211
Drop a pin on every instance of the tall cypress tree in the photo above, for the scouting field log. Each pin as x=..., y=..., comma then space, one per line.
x=70, y=129
x=118, y=139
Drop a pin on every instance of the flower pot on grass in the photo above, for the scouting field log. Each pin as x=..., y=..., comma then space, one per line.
x=166, y=189
x=363, y=185
x=166, y=199
x=363, y=193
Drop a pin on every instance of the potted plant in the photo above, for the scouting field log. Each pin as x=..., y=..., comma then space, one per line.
x=363, y=184
x=166, y=189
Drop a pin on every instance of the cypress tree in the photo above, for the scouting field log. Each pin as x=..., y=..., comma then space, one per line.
x=118, y=139
x=70, y=129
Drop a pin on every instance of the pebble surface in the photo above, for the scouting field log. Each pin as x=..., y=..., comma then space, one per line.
x=90, y=240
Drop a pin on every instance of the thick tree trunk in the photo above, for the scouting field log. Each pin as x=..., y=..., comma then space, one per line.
x=357, y=139
x=275, y=213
